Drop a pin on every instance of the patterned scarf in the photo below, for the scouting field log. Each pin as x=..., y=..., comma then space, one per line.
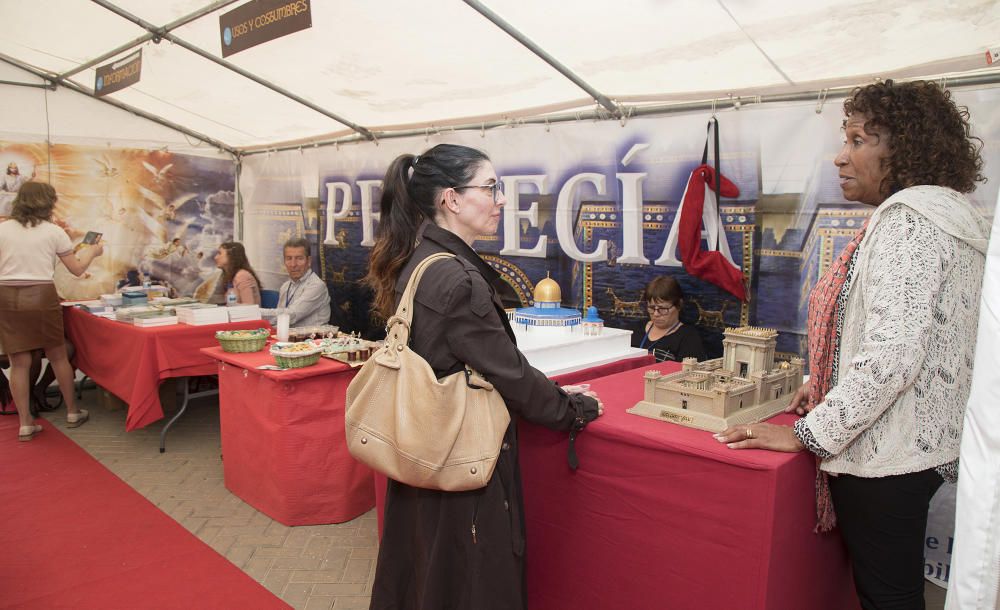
x=823, y=329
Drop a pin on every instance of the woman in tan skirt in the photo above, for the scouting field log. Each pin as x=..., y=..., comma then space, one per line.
x=30, y=315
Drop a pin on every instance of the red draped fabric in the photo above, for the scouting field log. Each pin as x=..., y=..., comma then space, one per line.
x=604, y=369
x=709, y=265
x=663, y=516
x=283, y=445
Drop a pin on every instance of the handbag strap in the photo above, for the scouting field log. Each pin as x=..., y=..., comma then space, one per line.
x=404, y=312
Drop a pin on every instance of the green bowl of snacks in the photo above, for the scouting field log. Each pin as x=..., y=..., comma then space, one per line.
x=296, y=355
x=241, y=341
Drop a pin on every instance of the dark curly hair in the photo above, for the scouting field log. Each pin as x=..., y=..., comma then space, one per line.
x=930, y=140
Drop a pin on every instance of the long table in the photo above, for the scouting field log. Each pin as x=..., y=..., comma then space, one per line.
x=283, y=445
x=663, y=516
x=131, y=361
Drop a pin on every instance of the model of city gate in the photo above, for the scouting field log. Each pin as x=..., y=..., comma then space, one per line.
x=742, y=387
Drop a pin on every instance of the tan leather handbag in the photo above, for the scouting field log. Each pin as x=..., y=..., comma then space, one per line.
x=419, y=430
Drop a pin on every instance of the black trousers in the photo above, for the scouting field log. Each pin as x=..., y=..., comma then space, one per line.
x=883, y=522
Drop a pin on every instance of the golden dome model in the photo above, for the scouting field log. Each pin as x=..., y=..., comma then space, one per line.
x=547, y=291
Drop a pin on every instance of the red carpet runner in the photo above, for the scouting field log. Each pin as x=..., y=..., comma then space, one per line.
x=73, y=535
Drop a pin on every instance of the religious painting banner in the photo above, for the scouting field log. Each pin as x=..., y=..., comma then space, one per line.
x=160, y=214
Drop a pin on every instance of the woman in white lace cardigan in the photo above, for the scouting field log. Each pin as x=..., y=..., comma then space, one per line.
x=892, y=330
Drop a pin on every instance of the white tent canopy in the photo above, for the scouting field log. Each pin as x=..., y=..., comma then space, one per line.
x=374, y=69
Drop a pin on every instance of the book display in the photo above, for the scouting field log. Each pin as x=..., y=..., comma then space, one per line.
x=241, y=313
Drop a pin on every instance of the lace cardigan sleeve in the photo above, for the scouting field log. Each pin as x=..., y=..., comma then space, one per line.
x=904, y=273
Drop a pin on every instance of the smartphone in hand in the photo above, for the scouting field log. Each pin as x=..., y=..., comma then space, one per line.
x=90, y=239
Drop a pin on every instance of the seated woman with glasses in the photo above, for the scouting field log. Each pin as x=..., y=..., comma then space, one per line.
x=667, y=338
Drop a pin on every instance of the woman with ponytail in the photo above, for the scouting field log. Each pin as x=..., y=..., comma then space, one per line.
x=457, y=549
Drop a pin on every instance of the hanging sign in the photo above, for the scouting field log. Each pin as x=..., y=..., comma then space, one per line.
x=118, y=75
x=260, y=21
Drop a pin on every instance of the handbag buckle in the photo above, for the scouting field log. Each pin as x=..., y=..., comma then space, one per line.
x=468, y=380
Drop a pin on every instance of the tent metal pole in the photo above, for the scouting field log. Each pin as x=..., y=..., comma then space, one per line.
x=514, y=33
x=232, y=67
x=150, y=36
x=972, y=80
x=107, y=100
x=34, y=85
x=239, y=198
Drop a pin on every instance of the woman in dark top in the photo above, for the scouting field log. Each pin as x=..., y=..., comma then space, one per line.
x=440, y=549
x=667, y=338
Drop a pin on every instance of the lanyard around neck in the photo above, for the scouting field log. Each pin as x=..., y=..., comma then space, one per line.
x=294, y=287
x=670, y=331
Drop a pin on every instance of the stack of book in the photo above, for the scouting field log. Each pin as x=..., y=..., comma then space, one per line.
x=100, y=310
x=147, y=319
x=95, y=306
x=114, y=300
x=167, y=302
x=134, y=299
x=202, y=314
x=239, y=313
x=125, y=314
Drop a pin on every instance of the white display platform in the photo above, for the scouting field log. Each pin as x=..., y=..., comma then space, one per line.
x=556, y=351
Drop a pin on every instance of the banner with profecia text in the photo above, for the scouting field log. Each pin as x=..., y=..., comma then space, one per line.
x=594, y=205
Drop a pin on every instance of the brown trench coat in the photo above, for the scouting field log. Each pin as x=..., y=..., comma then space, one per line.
x=465, y=550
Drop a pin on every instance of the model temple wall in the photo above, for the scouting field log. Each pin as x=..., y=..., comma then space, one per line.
x=745, y=376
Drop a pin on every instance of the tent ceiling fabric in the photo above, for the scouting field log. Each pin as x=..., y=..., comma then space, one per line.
x=392, y=64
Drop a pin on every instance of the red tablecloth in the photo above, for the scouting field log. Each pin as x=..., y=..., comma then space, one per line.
x=662, y=516
x=283, y=445
x=603, y=370
x=131, y=361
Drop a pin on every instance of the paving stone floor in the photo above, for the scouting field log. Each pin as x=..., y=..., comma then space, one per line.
x=313, y=567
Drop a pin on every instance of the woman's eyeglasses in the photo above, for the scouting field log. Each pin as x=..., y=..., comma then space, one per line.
x=495, y=189
x=658, y=309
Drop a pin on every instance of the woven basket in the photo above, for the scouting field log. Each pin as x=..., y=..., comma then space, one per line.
x=241, y=345
x=296, y=362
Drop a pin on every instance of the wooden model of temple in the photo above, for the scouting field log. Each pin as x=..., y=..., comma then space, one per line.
x=742, y=387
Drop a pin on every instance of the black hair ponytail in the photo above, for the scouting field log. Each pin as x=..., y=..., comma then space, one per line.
x=409, y=196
